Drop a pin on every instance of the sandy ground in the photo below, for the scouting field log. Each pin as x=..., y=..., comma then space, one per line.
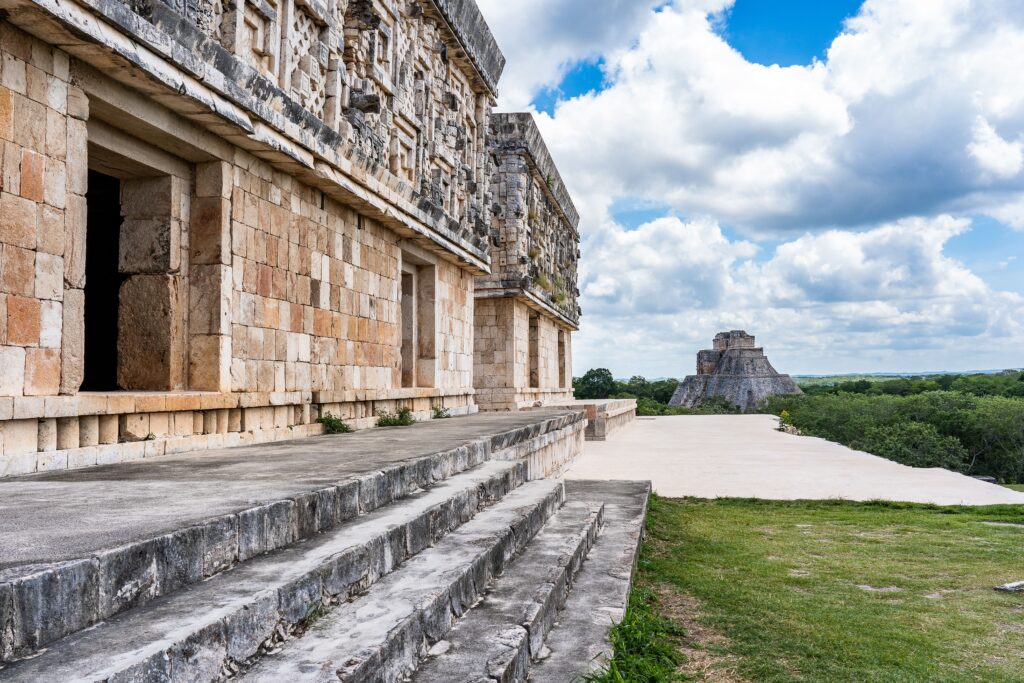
x=744, y=456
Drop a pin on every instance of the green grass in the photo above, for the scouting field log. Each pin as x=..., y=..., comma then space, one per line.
x=644, y=645
x=1015, y=487
x=835, y=591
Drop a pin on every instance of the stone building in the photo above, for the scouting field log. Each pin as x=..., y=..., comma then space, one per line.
x=219, y=220
x=526, y=308
x=734, y=369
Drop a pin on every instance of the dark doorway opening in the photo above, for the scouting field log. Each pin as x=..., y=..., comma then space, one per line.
x=102, y=282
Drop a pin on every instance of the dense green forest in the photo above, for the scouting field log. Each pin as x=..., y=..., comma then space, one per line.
x=967, y=423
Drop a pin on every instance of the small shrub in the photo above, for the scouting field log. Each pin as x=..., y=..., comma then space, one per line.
x=402, y=418
x=543, y=282
x=441, y=413
x=334, y=425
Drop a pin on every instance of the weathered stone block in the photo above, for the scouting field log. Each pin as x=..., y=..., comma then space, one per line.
x=210, y=231
x=246, y=629
x=33, y=166
x=220, y=545
x=127, y=577
x=150, y=333
x=51, y=316
x=149, y=245
x=54, y=602
x=47, y=435
x=133, y=427
x=179, y=559
x=23, y=319
x=67, y=433
x=72, y=350
x=12, y=379
x=42, y=372
x=108, y=429
x=209, y=366
x=17, y=270
x=88, y=430
x=75, y=221
x=210, y=300
x=49, y=277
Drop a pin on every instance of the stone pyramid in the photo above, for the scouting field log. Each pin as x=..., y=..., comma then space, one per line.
x=736, y=370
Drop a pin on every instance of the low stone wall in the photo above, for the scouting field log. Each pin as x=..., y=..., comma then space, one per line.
x=604, y=417
x=70, y=432
x=549, y=454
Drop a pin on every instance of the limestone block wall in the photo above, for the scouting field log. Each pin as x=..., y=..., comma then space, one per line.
x=251, y=297
x=512, y=371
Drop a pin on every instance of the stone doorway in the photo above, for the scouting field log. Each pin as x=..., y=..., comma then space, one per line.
x=135, y=299
x=419, y=322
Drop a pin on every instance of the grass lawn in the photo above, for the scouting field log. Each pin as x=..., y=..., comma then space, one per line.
x=1015, y=487
x=828, y=591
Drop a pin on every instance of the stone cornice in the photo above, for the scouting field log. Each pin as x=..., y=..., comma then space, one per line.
x=465, y=21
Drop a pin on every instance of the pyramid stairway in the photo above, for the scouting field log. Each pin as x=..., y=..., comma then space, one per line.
x=454, y=566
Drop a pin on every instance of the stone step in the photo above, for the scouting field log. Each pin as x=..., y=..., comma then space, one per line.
x=382, y=636
x=78, y=547
x=210, y=629
x=579, y=642
x=499, y=637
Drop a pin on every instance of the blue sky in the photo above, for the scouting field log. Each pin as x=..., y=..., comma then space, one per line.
x=845, y=180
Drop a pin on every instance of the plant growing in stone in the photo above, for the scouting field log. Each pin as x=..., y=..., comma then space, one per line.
x=334, y=425
x=441, y=413
x=543, y=282
x=403, y=417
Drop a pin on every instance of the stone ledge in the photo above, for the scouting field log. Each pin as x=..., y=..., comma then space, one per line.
x=124, y=402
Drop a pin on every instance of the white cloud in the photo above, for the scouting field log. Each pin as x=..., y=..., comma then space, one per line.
x=541, y=39
x=993, y=154
x=853, y=173
x=838, y=300
x=887, y=126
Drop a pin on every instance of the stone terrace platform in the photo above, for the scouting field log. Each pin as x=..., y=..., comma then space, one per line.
x=65, y=515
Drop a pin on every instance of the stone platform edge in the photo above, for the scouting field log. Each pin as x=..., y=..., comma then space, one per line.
x=604, y=416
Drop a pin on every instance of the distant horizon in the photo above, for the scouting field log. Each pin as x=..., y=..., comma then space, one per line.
x=993, y=371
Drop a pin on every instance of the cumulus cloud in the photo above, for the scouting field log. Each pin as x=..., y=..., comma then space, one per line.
x=918, y=109
x=839, y=297
x=846, y=179
x=542, y=39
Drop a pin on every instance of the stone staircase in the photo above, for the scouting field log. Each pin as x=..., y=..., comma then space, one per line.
x=459, y=565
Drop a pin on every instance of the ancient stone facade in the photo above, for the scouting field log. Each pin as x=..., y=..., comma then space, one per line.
x=221, y=220
x=526, y=308
x=734, y=369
